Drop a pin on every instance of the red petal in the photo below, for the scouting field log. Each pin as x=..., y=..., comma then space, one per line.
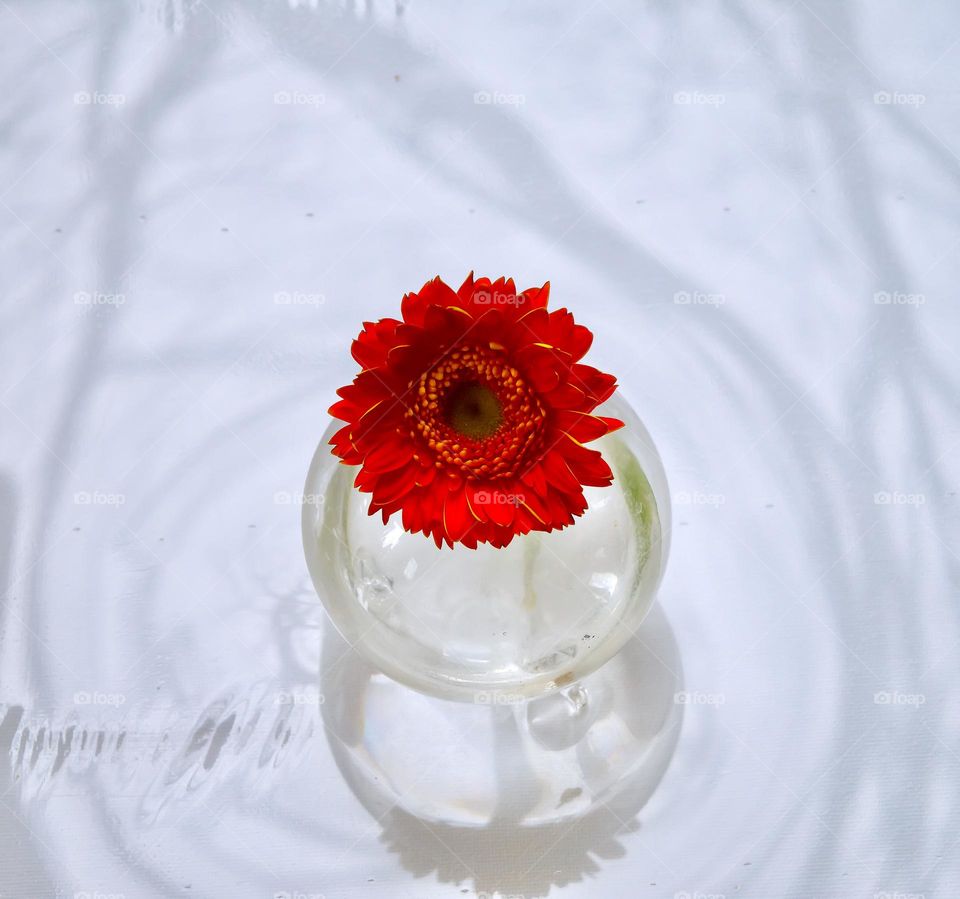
x=436, y=291
x=559, y=472
x=568, y=396
x=536, y=507
x=393, y=485
x=426, y=475
x=567, y=335
x=587, y=465
x=344, y=410
x=540, y=367
x=613, y=424
x=596, y=384
x=457, y=518
x=535, y=478
x=537, y=297
x=500, y=505
x=375, y=340
x=536, y=325
x=389, y=456
x=582, y=427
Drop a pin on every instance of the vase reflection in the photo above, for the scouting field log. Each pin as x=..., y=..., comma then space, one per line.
x=514, y=797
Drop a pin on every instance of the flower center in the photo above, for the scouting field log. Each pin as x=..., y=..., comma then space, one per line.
x=475, y=415
x=474, y=410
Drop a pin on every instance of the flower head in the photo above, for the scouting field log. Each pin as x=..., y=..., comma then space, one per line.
x=470, y=414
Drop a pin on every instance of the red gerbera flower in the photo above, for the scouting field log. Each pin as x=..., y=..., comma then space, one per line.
x=471, y=414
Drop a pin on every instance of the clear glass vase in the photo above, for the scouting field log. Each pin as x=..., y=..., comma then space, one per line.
x=493, y=625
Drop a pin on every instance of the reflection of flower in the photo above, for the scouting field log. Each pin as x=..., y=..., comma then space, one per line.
x=471, y=414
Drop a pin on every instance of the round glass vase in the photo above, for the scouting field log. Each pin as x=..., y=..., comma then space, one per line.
x=493, y=625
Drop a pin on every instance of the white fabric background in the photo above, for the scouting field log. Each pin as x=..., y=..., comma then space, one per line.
x=638, y=155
